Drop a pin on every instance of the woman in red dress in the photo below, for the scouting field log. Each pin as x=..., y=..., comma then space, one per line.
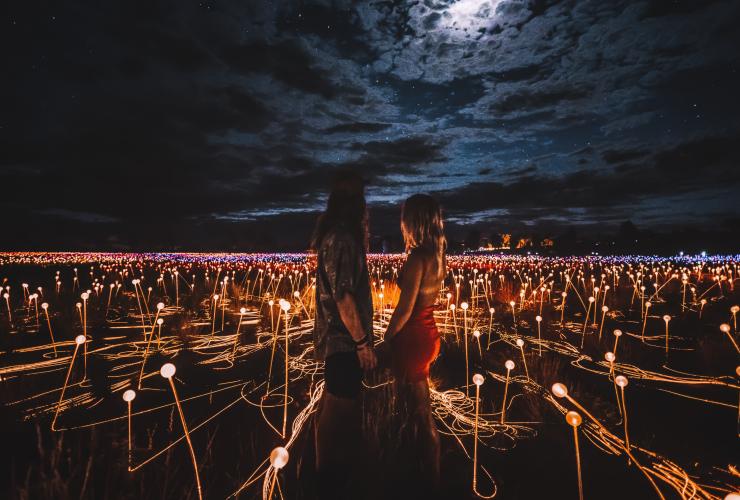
x=412, y=332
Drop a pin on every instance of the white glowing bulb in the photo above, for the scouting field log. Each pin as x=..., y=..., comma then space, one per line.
x=476, y=333
x=519, y=342
x=512, y=303
x=621, y=381
x=243, y=310
x=129, y=395
x=85, y=296
x=160, y=306
x=167, y=370
x=724, y=328
x=464, y=306
x=160, y=321
x=610, y=357
x=559, y=390
x=279, y=457
x=509, y=365
x=80, y=339
x=617, y=333
x=604, y=309
x=538, y=318
x=285, y=305
x=492, y=310
x=478, y=379
x=44, y=306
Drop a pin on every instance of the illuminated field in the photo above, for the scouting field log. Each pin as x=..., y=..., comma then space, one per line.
x=646, y=351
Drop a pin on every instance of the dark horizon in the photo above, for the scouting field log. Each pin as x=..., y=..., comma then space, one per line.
x=217, y=125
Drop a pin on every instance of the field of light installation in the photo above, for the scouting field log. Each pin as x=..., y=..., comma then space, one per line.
x=187, y=375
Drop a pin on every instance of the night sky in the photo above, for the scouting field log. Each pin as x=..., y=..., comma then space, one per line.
x=217, y=124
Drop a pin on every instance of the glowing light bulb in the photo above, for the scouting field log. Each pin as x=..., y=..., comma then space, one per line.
x=519, y=343
x=160, y=321
x=724, y=328
x=621, y=381
x=666, y=318
x=44, y=306
x=80, y=339
x=129, y=395
x=243, y=310
x=559, y=390
x=478, y=379
x=160, y=306
x=167, y=370
x=610, y=357
x=464, y=306
x=476, y=334
x=509, y=365
x=279, y=457
x=617, y=333
x=573, y=418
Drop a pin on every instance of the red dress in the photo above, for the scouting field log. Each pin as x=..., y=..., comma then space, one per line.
x=415, y=346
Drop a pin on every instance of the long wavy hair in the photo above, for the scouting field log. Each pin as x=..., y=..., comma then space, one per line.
x=423, y=227
x=345, y=207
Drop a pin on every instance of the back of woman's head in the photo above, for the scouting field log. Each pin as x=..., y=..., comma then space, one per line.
x=346, y=207
x=422, y=225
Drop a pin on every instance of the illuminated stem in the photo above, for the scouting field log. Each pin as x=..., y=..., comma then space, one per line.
x=51, y=334
x=578, y=462
x=130, y=445
x=506, y=389
x=524, y=360
x=475, y=438
x=624, y=418
x=64, y=387
x=236, y=337
x=287, y=377
x=187, y=437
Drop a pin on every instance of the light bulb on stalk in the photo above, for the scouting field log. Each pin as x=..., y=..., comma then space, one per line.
x=725, y=328
x=168, y=370
x=559, y=390
x=509, y=366
x=478, y=381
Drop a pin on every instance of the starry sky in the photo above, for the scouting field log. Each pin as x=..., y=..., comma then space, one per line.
x=215, y=124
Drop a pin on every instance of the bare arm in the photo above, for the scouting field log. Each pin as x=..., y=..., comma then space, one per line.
x=350, y=317
x=410, y=284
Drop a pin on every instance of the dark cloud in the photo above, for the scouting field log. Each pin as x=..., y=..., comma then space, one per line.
x=357, y=127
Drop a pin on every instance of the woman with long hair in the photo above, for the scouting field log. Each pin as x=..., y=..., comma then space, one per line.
x=412, y=332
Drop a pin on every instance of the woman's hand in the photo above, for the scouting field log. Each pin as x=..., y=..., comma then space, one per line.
x=366, y=355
